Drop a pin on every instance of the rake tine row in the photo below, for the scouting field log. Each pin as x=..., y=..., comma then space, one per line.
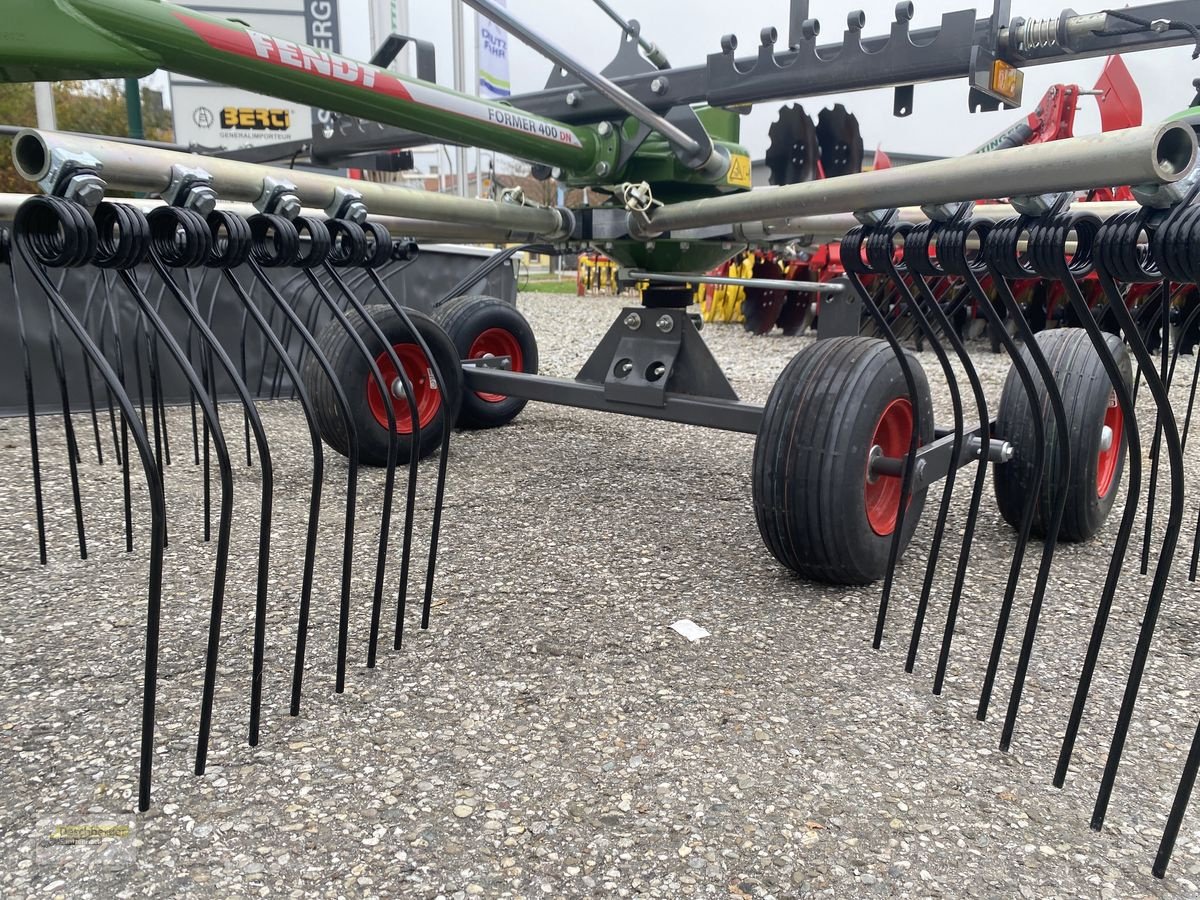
x=52, y=233
x=1071, y=250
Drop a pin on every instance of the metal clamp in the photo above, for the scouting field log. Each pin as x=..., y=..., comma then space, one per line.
x=347, y=204
x=191, y=189
x=74, y=176
x=278, y=197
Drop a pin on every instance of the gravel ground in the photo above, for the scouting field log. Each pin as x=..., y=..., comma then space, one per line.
x=550, y=736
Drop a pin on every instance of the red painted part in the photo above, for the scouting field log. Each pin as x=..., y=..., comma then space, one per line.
x=1106, y=466
x=1121, y=102
x=425, y=391
x=497, y=342
x=893, y=432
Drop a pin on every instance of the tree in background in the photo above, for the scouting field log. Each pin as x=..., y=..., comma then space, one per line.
x=92, y=107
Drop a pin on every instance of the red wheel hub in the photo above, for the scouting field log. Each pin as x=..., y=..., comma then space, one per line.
x=893, y=433
x=425, y=389
x=497, y=342
x=1110, y=447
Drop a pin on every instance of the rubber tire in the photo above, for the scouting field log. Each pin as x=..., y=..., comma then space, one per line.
x=353, y=373
x=810, y=458
x=464, y=319
x=1085, y=390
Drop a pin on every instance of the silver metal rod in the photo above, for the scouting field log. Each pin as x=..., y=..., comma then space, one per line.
x=695, y=154
x=1153, y=154
x=130, y=167
x=398, y=226
x=653, y=53
x=774, y=284
x=834, y=225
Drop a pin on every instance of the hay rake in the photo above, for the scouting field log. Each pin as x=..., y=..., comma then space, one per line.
x=846, y=448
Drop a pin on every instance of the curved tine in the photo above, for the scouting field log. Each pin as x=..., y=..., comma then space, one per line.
x=225, y=465
x=194, y=291
x=851, y=254
x=1187, y=420
x=488, y=266
x=1164, y=292
x=102, y=344
x=1116, y=246
x=439, y=492
x=156, y=388
x=45, y=215
x=114, y=324
x=952, y=252
x=73, y=456
x=208, y=377
x=980, y=400
x=1001, y=250
x=389, y=477
x=381, y=239
x=343, y=403
x=237, y=251
x=927, y=330
x=165, y=222
x=147, y=337
x=31, y=413
x=357, y=236
x=84, y=318
x=880, y=253
x=1054, y=255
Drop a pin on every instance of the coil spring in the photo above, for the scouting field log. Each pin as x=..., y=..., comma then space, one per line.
x=1039, y=34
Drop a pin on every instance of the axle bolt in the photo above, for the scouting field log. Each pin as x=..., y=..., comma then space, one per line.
x=633, y=321
x=1106, y=438
x=665, y=324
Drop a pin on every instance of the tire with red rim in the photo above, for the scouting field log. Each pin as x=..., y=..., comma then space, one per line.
x=481, y=327
x=437, y=404
x=818, y=509
x=1098, y=440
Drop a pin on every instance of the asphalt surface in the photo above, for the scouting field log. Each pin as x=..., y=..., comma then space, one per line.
x=550, y=735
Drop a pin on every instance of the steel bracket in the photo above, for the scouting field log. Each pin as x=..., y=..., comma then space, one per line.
x=647, y=353
x=839, y=315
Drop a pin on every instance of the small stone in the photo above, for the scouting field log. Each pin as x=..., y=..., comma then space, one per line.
x=463, y=811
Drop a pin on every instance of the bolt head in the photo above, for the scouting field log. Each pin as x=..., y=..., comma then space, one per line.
x=602, y=168
x=664, y=324
x=604, y=129
x=288, y=206
x=572, y=98
x=658, y=86
x=202, y=199
x=633, y=321
x=355, y=211
x=87, y=190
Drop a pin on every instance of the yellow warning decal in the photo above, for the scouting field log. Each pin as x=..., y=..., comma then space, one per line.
x=739, y=171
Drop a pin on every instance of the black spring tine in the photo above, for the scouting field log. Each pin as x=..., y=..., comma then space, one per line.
x=84, y=318
x=166, y=225
x=1187, y=421
x=194, y=290
x=132, y=223
x=1183, y=794
x=1117, y=255
x=235, y=243
x=56, y=232
x=314, y=253
x=952, y=257
x=1001, y=252
x=30, y=404
x=917, y=261
x=102, y=343
x=390, y=474
x=350, y=246
x=381, y=239
x=1051, y=258
x=952, y=252
x=257, y=393
x=156, y=387
x=1164, y=292
x=852, y=260
x=73, y=456
x=126, y=477
x=881, y=255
